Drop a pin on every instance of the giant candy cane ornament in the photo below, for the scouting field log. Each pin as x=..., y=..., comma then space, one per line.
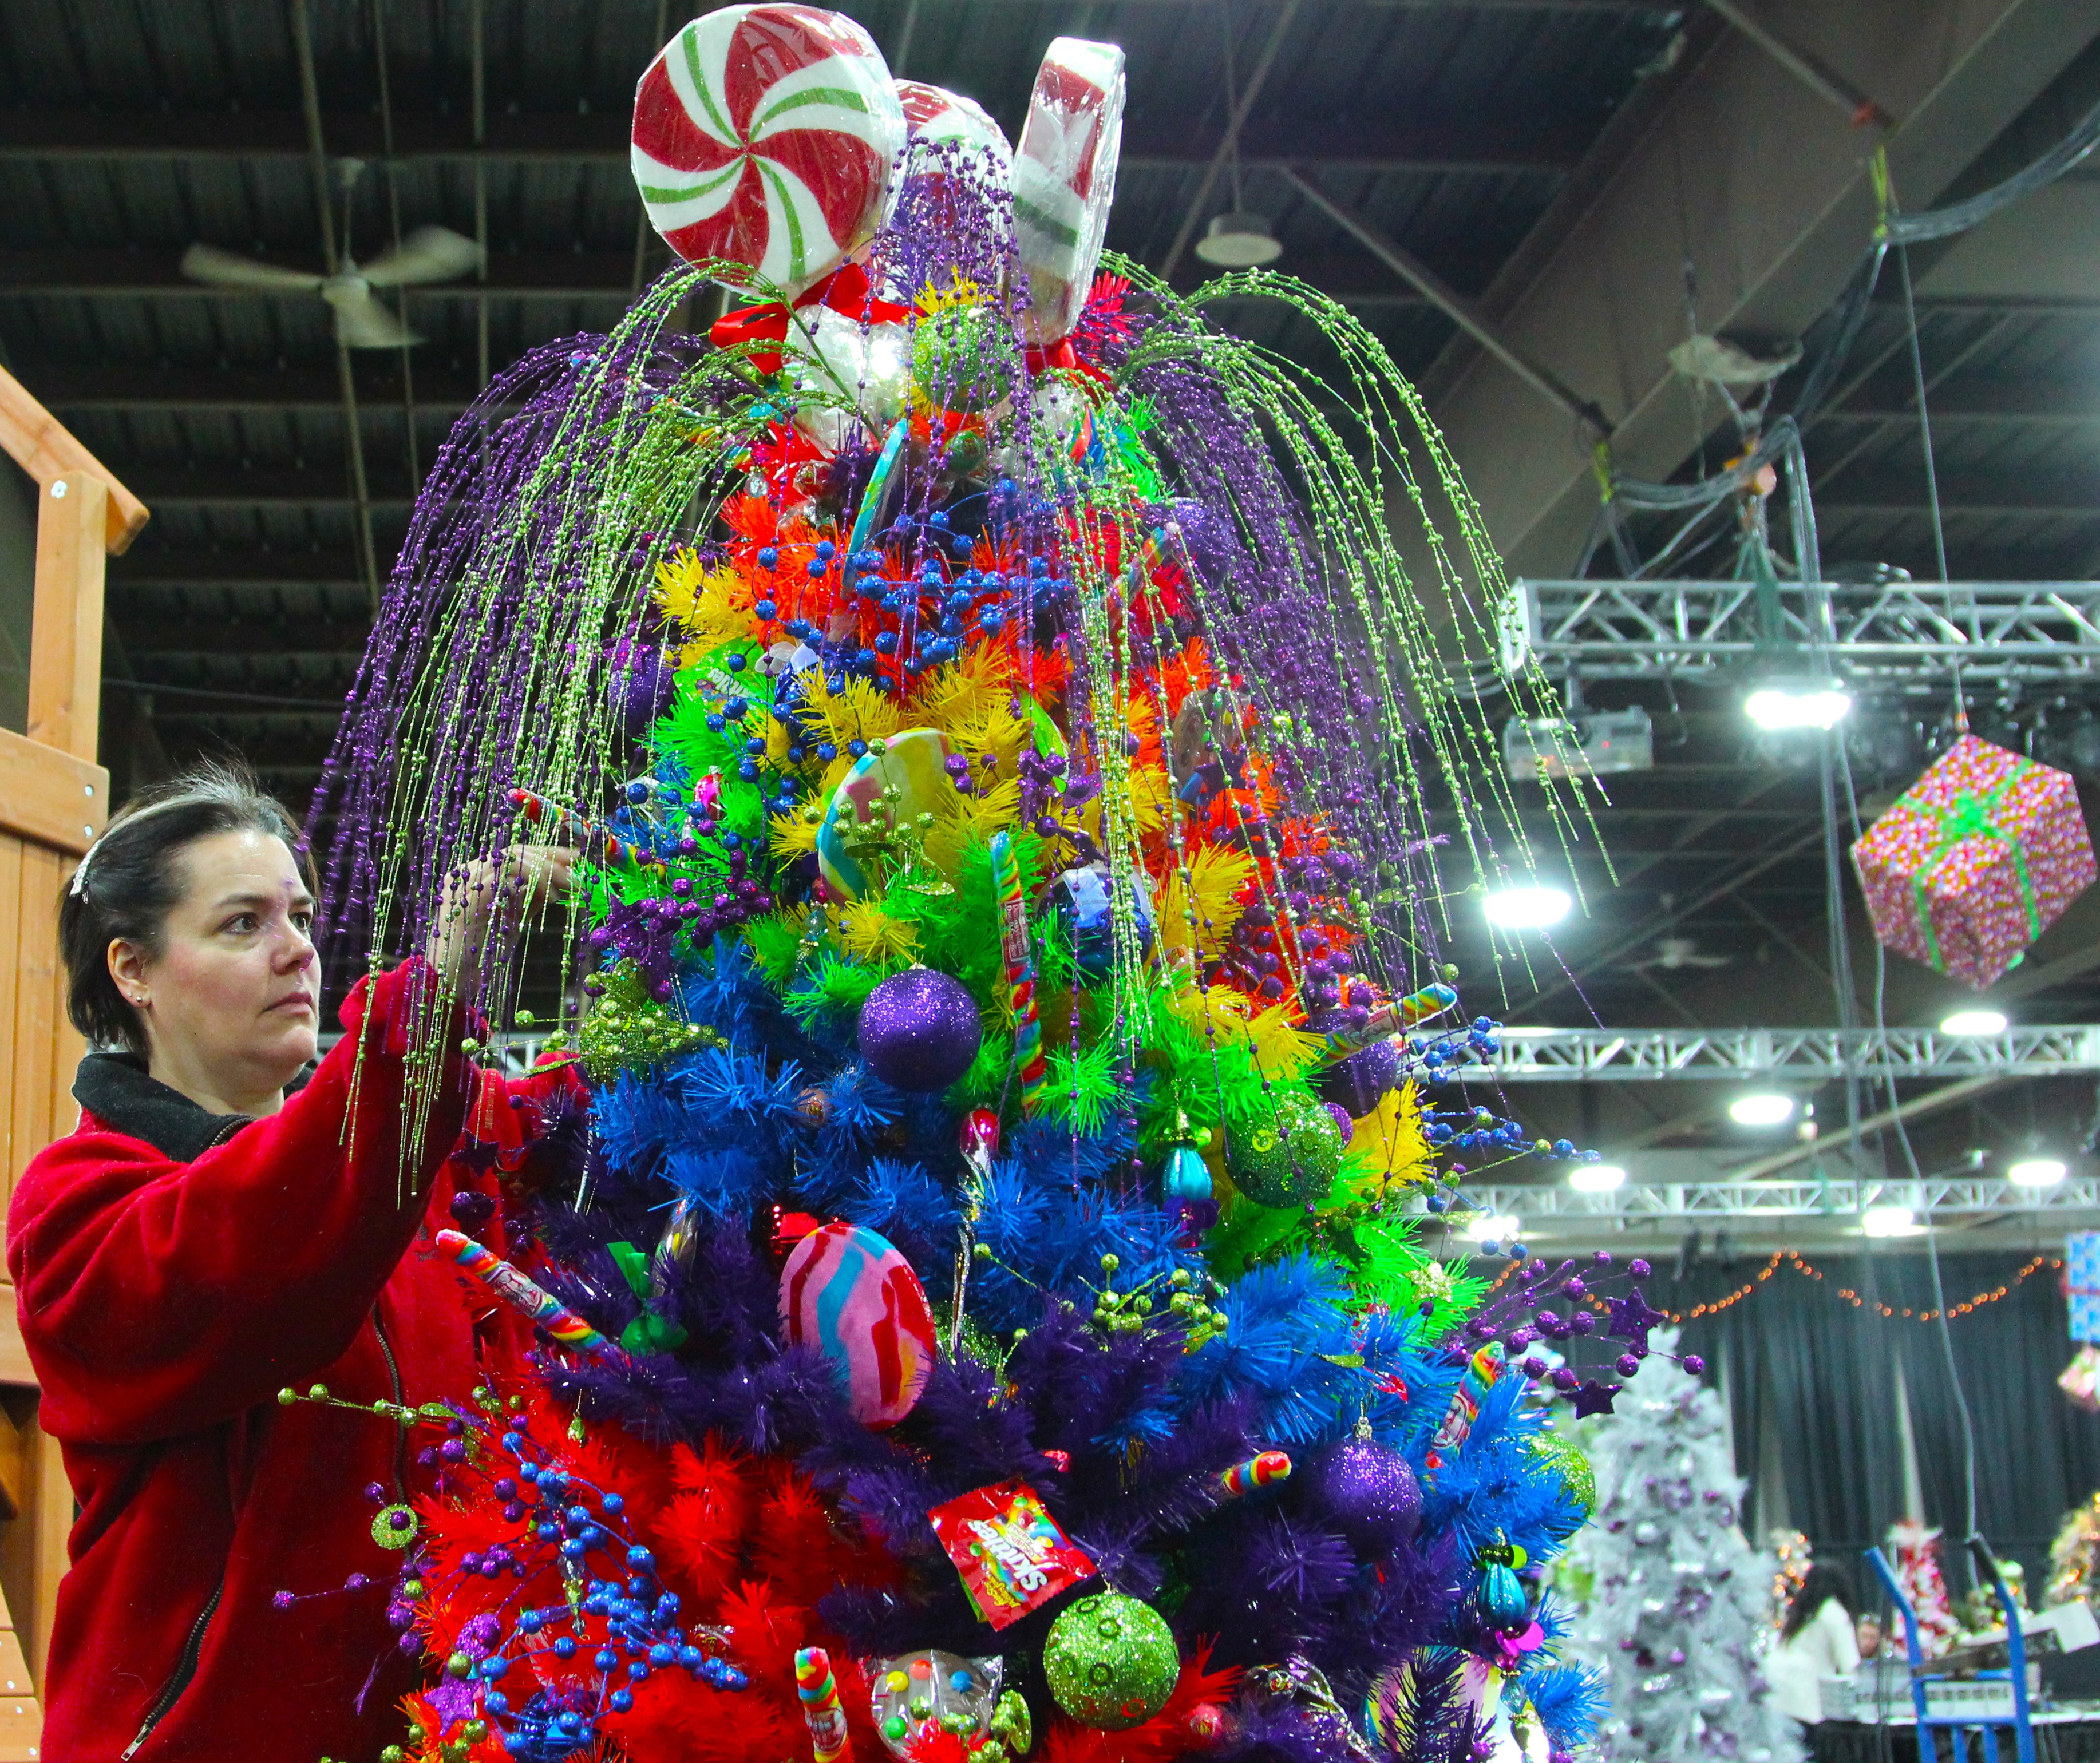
x=764, y=134
x=1064, y=178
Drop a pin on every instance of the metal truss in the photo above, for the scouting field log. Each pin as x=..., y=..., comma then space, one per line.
x=1900, y=633
x=1808, y=1056
x=1699, y=1202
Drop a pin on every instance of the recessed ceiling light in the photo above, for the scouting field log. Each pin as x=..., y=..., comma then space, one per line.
x=2035, y=1172
x=1761, y=1108
x=1804, y=703
x=1596, y=1178
x=1974, y=1022
x=1532, y=906
x=1890, y=1221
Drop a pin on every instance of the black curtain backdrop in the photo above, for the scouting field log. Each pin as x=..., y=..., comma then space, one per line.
x=1822, y=1372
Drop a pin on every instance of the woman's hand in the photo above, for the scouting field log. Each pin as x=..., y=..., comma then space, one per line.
x=525, y=876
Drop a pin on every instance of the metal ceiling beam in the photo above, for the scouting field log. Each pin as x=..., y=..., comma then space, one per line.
x=264, y=486
x=2061, y=398
x=88, y=387
x=1910, y=1107
x=1453, y=305
x=213, y=638
x=200, y=571
x=1586, y=963
x=1800, y=1055
x=1903, y=490
x=1456, y=146
x=549, y=275
x=1602, y=307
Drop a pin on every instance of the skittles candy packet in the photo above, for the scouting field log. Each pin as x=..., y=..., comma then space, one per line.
x=1012, y=1555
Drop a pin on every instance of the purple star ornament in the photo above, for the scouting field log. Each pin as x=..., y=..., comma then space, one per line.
x=1632, y=1318
x=1594, y=1398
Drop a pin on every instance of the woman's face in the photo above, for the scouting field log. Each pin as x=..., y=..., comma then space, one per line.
x=233, y=997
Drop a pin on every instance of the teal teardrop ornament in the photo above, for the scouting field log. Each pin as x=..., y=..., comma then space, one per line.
x=1187, y=1176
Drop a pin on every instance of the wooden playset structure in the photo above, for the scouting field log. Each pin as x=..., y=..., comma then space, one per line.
x=54, y=799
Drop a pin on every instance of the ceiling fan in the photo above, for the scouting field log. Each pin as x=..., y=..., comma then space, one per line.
x=361, y=320
x=1673, y=954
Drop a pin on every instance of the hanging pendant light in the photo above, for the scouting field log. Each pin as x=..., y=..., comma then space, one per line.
x=1238, y=241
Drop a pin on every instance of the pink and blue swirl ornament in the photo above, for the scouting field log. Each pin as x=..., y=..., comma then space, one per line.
x=848, y=1292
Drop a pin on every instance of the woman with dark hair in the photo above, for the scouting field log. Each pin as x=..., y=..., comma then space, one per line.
x=1816, y=1641
x=214, y=1232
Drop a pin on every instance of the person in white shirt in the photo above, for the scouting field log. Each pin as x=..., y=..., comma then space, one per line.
x=1816, y=1641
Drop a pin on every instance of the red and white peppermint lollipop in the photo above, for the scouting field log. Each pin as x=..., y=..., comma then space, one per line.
x=1064, y=178
x=956, y=160
x=933, y=114
x=764, y=134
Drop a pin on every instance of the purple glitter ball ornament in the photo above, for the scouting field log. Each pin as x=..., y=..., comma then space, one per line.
x=1372, y=1494
x=1343, y=1124
x=1357, y=1081
x=919, y=1030
x=639, y=685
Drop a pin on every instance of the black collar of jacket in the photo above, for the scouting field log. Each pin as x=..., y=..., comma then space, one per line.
x=118, y=1090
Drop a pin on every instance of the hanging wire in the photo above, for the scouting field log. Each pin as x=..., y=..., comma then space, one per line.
x=1854, y=305
x=393, y=216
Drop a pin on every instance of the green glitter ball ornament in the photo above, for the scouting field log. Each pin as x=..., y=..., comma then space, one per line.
x=628, y=1029
x=953, y=360
x=1291, y=1159
x=1111, y=1661
x=1559, y=1457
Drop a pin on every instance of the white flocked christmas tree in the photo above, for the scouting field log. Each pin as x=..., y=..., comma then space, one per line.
x=1675, y=1612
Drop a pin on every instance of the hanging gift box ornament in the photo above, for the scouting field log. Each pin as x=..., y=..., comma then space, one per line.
x=1064, y=179
x=763, y=135
x=1013, y=1556
x=848, y=1292
x=2082, y=1275
x=1976, y=861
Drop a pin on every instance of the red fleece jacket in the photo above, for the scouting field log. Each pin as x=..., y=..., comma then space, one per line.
x=164, y=1304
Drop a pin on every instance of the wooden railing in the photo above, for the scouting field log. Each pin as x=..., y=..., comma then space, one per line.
x=54, y=799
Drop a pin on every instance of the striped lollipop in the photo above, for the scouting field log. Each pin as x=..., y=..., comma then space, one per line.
x=1262, y=1471
x=818, y=1691
x=548, y=1310
x=764, y=134
x=1020, y=973
x=1064, y=178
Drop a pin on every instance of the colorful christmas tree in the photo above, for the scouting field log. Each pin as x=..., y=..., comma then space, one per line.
x=1676, y=1612
x=1914, y=1550
x=1792, y=1558
x=989, y=1312
x=2072, y=1556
